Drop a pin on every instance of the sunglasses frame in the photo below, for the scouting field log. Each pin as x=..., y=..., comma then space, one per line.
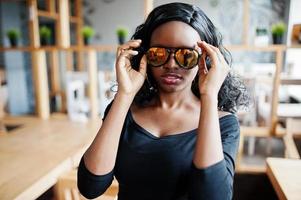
x=174, y=51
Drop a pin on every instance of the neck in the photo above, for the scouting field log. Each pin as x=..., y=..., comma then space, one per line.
x=175, y=100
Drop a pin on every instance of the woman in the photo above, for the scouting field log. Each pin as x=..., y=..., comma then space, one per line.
x=170, y=132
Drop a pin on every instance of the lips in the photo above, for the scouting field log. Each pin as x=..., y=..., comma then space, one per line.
x=171, y=78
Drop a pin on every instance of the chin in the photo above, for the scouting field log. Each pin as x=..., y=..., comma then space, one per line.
x=171, y=88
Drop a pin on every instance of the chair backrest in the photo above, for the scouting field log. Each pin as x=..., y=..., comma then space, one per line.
x=263, y=103
x=2, y=99
x=293, y=128
x=2, y=103
x=249, y=118
x=75, y=93
x=75, y=86
x=77, y=104
x=104, y=87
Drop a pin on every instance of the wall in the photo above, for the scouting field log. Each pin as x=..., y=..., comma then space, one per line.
x=227, y=15
x=18, y=74
x=227, y=22
x=107, y=17
x=1, y=42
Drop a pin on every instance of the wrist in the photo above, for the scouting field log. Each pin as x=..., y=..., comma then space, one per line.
x=209, y=97
x=125, y=97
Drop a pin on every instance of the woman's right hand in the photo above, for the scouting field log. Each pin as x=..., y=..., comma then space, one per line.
x=129, y=80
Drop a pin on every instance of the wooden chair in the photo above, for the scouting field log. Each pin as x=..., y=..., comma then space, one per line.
x=2, y=127
x=265, y=127
x=293, y=128
x=257, y=123
x=66, y=188
x=104, y=87
x=77, y=104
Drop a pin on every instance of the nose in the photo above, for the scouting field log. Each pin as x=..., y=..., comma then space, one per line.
x=171, y=63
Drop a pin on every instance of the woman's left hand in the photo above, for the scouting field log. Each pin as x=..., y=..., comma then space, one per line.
x=210, y=81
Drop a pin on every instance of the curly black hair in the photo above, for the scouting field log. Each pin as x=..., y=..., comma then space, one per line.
x=232, y=94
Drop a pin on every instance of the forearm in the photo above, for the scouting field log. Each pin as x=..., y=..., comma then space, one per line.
x=208, y=150
x=101, y=155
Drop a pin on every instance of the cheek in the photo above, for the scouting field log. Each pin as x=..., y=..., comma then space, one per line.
x=155, y=72
x=193, y=74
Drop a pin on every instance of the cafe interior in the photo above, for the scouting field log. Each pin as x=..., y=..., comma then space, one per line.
x=57, y=75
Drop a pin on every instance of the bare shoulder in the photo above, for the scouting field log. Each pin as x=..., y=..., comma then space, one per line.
x=223, y=114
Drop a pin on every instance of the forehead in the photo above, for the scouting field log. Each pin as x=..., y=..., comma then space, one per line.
x=174, y=34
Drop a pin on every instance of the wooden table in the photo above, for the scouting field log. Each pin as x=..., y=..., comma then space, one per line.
x=285, y=176
x=34, y=156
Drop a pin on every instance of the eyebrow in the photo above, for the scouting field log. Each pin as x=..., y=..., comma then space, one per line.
x=178, y=47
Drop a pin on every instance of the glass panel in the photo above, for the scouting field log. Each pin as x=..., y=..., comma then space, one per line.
x=227, y=16
x=72, y=7
x=263, y=14
x=41, y=5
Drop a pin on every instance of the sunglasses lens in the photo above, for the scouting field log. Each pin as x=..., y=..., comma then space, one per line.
x=156, y=56
x=187, y=58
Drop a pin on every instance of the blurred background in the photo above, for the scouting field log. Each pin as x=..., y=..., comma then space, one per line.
x=57, y=76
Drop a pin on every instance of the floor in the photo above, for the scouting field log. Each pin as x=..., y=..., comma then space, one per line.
x=250, y=186
x=253, y=186
x=264, y=148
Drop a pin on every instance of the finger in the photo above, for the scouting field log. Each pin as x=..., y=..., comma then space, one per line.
x=210, y=51
x=221, y=58
x=219, y=54
x=202, y=62
x=128, y=53
x=128, y=45
x=203, y=67
x=122, y=49
x=199, y=49
x=131, y=43
x=201, y=53
x=143, y=65
x=214, y=48
x=124, y=58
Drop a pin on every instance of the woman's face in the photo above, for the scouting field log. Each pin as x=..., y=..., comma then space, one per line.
x=170, y=77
